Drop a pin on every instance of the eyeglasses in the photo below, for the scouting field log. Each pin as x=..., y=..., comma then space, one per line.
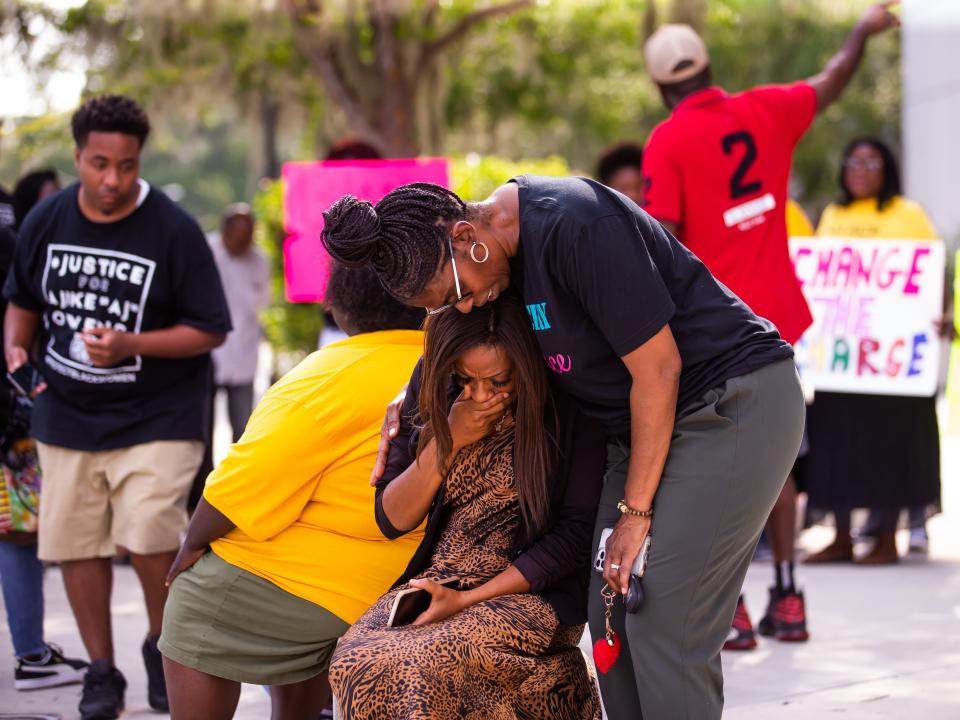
x=856, y=164
x=456, y=282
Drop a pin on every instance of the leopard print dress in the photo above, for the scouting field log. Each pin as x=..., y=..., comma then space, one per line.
x=503, y=659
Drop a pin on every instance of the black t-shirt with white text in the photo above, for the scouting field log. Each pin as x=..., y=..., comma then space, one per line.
x=150, y=270
x=600, y=278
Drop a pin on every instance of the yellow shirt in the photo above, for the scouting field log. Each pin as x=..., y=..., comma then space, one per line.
x=900, y=219
x=297, y=487
x=798, y=224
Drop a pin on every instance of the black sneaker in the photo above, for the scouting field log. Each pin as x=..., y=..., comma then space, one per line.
x=786, y=617
x=741, y=635
x=767, y=627
x=103, y=688
x=156, y=683
x=50, y=669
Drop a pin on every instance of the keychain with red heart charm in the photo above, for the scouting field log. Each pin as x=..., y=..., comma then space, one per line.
x=607, y=649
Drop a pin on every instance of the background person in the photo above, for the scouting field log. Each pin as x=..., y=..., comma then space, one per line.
x=620, y=167
x=117, y=287
x=509, y=478
x=31, y=189
x=296, y=555
x=872, y=451
x=245, y=273
x=39, y=664
x=716, y=174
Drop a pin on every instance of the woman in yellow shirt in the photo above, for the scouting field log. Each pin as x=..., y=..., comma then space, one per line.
x=872, y=451
x=296, y=555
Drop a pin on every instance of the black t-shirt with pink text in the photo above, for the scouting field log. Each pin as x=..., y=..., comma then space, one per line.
x=600, y=278
x=150, y=270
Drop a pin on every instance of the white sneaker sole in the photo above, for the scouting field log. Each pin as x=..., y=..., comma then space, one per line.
x=62, y=677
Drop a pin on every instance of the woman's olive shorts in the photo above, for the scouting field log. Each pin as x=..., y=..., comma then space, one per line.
x=227, y=622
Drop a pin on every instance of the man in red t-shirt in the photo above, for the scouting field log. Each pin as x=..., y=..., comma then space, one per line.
x=715, y=174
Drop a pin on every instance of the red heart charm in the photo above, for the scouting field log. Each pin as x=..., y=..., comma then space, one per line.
x=605, y=654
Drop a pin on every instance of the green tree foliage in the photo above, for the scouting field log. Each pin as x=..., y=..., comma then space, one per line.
x=569, y=78
x=563, y=78
x=236, y=87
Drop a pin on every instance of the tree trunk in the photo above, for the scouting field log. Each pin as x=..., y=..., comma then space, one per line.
x=269, y=121
x=399, y=70
x=691, y=12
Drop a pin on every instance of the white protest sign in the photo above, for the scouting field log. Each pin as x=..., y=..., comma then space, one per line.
x=874, y=303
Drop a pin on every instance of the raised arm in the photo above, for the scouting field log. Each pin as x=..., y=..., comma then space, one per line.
x=830, y=83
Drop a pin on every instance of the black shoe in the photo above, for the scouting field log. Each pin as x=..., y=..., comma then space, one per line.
x=156, y=683
x=741, y=635
x=786, y=617
x=767, y=627
x=103, y=688
x=49, y=669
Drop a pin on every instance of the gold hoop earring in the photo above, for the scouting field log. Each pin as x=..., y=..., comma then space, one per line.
x=486, y=252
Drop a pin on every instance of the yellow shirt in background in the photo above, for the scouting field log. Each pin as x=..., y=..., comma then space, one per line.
x=798, y=224
x=900, y=219
x=297, y=484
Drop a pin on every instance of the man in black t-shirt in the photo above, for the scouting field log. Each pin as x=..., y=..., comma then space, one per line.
x=116, y=287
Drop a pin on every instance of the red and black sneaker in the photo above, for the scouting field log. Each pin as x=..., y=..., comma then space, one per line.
x=786, y=617
x=741, y=635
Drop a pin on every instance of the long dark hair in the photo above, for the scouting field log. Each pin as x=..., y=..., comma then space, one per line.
x=891, y=172
x=503, y=323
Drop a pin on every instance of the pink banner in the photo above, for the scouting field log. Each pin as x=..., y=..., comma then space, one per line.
x=310, y=188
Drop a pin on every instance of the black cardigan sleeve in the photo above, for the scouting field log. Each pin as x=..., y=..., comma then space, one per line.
x=567, y=544
x=403, y=452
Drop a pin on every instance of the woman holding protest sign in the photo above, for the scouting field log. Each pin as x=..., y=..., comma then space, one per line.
x=872, y=451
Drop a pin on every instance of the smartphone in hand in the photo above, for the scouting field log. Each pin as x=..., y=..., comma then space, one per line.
x=410, y=603
x=24, y=379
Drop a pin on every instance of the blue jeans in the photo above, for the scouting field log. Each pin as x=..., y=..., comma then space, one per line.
x=21, y=577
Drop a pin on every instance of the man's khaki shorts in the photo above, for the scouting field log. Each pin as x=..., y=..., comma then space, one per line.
x=136, y=497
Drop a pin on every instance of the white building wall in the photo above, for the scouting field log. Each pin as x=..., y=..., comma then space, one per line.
x=931, y=109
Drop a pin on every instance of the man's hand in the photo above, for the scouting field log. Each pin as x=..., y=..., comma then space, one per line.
x=444, y=602
x=388, y=431
x=107, y=347
x=622, y=548
x=16, y=357
x=184, y=560
x=6, y=523
x=878, y=18
x=946, y=328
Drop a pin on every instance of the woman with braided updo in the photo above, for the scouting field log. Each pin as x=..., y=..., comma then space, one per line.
x=698, y=398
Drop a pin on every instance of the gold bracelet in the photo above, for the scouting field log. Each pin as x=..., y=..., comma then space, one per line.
x=627, y=510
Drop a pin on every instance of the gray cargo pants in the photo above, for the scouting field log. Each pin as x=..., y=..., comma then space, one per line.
x=729, y=456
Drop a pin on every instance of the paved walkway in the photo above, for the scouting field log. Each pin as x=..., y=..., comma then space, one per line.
x=886, y=641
